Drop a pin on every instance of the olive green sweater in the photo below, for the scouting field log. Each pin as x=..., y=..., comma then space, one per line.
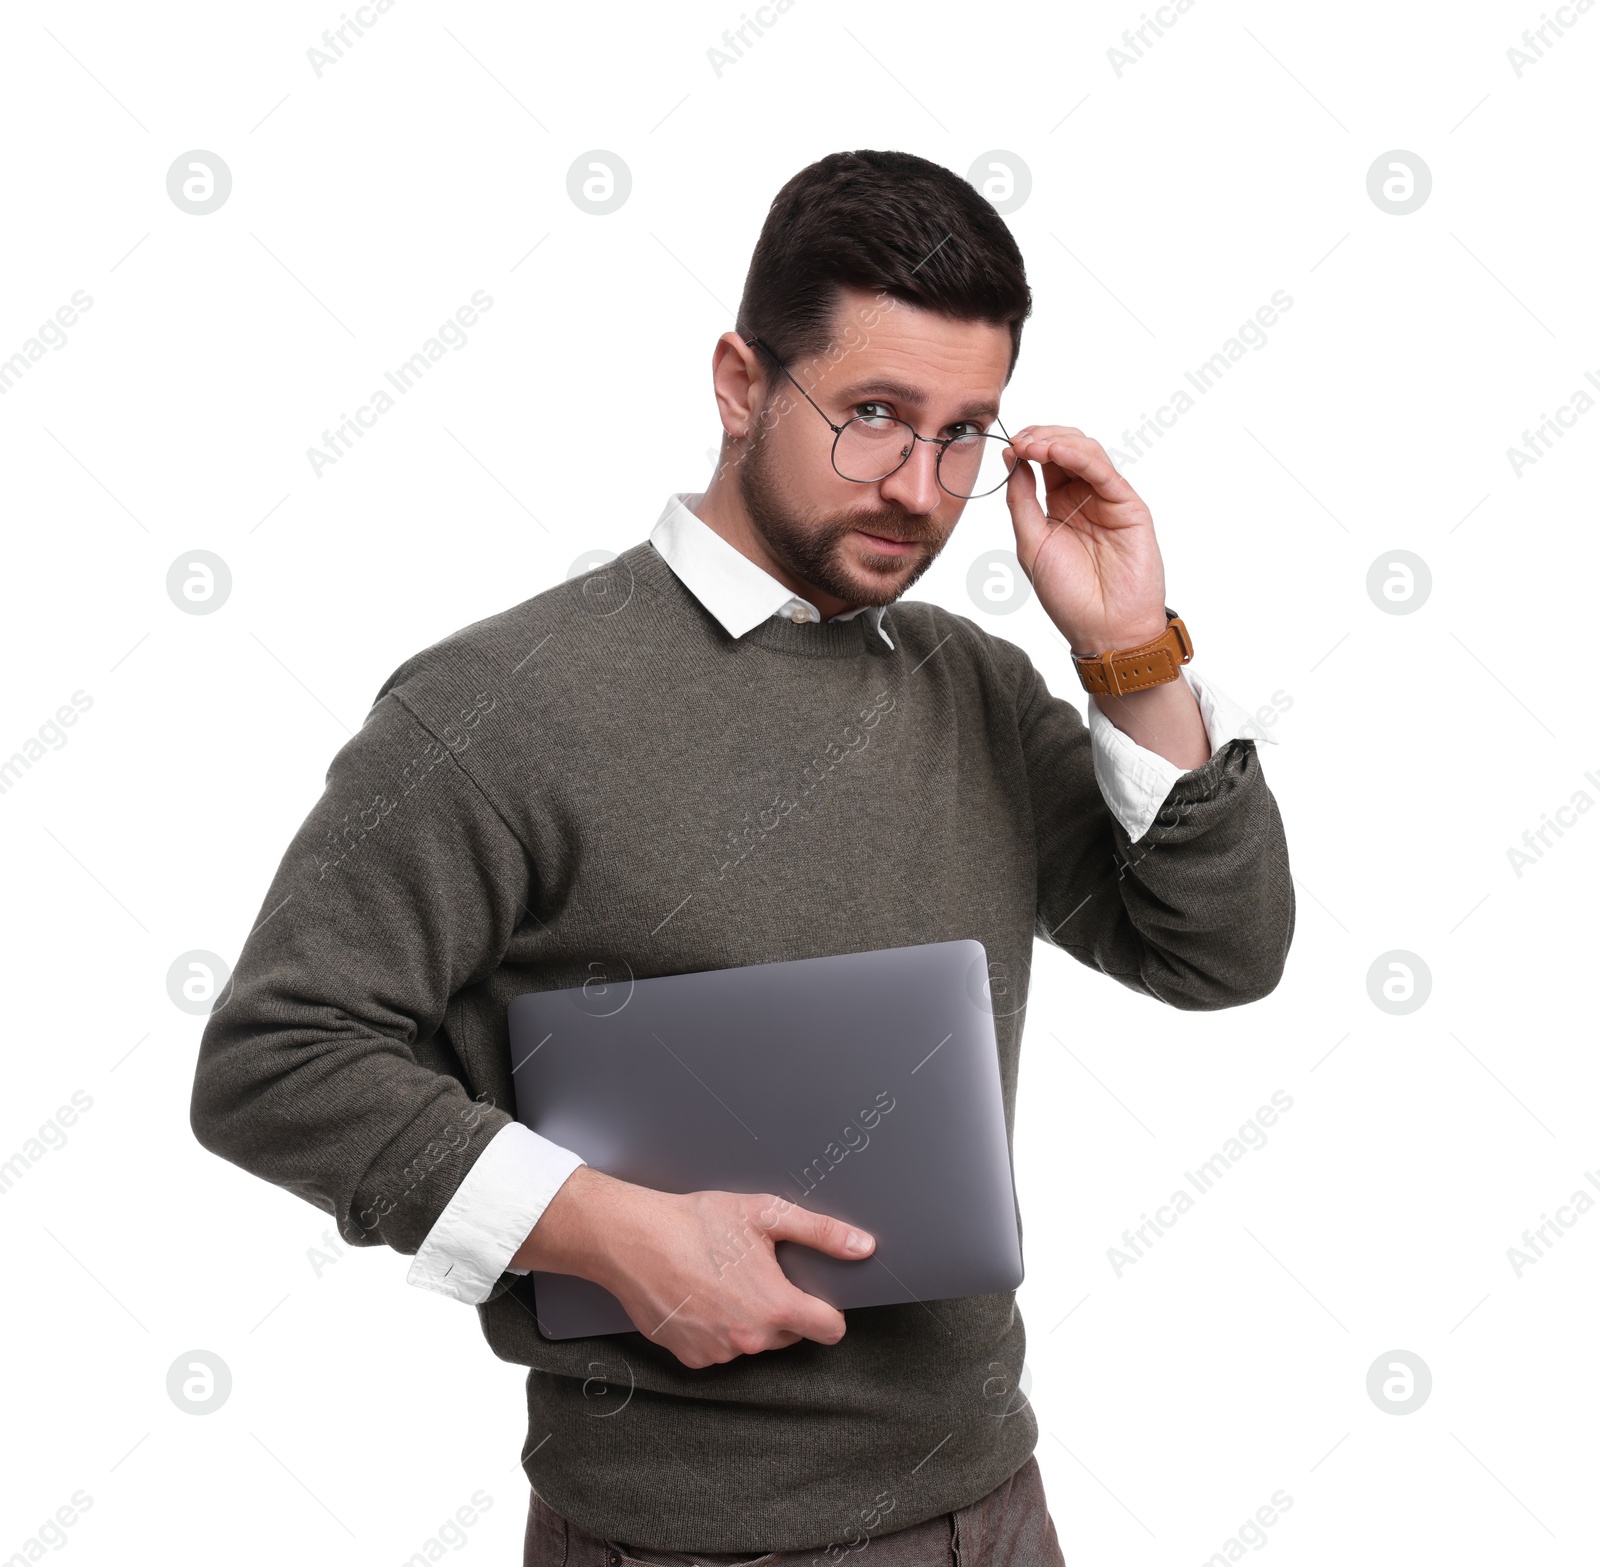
x=568, y=789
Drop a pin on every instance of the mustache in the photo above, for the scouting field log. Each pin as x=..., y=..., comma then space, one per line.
x=887, y=525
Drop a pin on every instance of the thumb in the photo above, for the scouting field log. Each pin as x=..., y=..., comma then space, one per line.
x=817, y=1230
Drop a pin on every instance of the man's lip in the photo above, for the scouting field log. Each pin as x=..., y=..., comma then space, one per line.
x=887, y=538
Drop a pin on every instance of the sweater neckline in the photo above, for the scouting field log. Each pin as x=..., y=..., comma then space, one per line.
x=855, y=638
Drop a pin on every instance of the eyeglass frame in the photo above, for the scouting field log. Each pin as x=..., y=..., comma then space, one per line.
x=942, y=442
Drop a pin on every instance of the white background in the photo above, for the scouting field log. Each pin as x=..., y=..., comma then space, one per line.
x=1167, y=204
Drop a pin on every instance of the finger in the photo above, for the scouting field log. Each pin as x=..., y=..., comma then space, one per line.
x=1087, y=459
x=1027, y=515
x=799, y=1312
x=805, y=1316
x=1045, y=431
x=792, y=1223
x=1042, y=437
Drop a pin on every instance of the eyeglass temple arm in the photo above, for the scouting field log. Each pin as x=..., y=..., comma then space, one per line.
x=755, y=342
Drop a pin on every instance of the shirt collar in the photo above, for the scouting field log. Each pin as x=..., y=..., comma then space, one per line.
x=729, y=584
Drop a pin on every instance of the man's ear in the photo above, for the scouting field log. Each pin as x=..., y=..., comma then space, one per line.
x=739, y=384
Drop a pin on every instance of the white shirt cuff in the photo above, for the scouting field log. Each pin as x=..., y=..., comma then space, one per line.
x=1135, y=781
x=473, y=1241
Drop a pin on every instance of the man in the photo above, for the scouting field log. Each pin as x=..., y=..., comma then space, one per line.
x=726, y=747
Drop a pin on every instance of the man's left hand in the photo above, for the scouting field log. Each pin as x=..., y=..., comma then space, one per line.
x=1090, y=551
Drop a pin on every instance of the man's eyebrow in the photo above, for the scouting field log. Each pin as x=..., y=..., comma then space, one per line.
x=902, y=393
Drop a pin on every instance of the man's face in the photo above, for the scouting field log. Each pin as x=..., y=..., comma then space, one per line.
x=867, y=543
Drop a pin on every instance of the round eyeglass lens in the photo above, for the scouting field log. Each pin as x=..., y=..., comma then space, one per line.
x=974, y=465
x=871, y=448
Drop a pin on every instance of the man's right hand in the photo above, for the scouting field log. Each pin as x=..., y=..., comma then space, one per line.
x=696, y=1273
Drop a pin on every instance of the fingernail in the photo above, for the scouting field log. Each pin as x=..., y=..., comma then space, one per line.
x=855, y=1241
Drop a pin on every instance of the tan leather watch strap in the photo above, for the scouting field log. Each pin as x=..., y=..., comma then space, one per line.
x=1152, y=663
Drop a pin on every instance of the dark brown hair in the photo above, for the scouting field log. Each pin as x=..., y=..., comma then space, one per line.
x=889, y=222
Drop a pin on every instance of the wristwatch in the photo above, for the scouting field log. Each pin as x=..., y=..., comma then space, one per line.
x=1152, y=663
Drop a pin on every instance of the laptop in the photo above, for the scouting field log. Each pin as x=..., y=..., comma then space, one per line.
x=865, y=1086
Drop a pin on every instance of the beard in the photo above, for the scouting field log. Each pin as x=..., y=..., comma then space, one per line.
x=812, y=548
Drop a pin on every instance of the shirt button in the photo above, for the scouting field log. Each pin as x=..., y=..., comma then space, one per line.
x=797, y=614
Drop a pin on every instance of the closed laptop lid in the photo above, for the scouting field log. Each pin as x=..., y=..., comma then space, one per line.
x=862, y=1085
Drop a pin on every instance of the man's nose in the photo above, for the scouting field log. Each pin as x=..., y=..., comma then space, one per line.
x=914, y=485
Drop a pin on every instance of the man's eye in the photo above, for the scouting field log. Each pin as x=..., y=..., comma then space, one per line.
x=875, y=411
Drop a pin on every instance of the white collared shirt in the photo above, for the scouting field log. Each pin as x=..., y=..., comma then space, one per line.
x=736, y=590
x=505, y=1192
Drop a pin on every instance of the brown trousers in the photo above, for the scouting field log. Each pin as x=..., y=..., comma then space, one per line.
x=1010, y=1527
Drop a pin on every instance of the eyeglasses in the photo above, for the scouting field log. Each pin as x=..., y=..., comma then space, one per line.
x=867, y=449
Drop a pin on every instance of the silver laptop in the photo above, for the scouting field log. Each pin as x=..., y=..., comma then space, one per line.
x=865, y=1086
